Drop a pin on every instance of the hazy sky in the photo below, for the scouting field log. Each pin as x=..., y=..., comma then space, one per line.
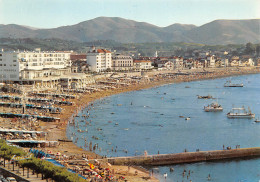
x=55, y=13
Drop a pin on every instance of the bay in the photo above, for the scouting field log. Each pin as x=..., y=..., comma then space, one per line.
x=130, y=123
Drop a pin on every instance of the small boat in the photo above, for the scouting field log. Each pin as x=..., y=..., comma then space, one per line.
x=214, y=107
x=240, y=113
x=181, y=116
x=205, y=97
x=64, y=140
x=229, y=84
x=187, y=86
x=188, y=118
x=257, y=120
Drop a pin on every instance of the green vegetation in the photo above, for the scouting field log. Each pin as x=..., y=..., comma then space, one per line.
x=49, y=170
x=8, y=152
x=44, y=167
x=143, y=49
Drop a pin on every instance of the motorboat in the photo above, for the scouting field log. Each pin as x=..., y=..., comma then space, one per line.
x=257, y=120
x=214, y=107
x=240, y=113
x=229, y=84
x=205, y=97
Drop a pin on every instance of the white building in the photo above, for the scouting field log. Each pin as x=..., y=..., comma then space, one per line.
x=122, y=62
x=246, y=62
x=99, y=60
x=177, y=61
x=166, y=65
x=211, y=61
x=32, y=65
x=9, y=66
x=142, y=65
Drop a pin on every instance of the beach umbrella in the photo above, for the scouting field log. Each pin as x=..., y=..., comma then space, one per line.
x=98, y=176
x=58, y=153
x=91, y=166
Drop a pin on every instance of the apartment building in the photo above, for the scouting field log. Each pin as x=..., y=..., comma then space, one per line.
x=140, y=65
x=99, y=60
x=32, y=65
x=9, y=66
x=122, y=62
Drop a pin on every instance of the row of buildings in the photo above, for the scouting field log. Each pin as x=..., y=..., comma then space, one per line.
x=209, y=61
x=66, y=66
x=99, y=60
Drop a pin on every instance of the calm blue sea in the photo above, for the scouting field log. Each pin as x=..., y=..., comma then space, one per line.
x=130, y=123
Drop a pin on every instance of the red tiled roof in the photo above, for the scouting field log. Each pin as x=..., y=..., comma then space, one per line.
x=103, y=51
x=78, y=56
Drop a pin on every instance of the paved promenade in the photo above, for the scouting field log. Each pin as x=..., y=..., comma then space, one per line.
x=19, y=174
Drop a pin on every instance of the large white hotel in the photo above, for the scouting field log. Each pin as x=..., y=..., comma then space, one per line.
x=43, y=69
x=33, y=65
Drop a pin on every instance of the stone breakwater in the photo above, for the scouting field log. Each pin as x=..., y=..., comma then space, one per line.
x=186, y=157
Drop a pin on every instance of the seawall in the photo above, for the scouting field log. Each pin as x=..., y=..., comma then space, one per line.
x=186, y=157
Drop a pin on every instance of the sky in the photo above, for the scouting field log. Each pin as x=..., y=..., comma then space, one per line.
x=55, y=13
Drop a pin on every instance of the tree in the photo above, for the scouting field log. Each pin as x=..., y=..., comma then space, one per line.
x=258, y=49
x=250, y=48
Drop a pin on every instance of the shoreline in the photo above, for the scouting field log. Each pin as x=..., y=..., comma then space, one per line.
x=58, y=130
x=88, y=98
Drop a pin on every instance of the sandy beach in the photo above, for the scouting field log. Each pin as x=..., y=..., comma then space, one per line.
x=57, y=130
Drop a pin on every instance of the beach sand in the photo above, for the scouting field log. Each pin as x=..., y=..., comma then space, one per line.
x=57, y=130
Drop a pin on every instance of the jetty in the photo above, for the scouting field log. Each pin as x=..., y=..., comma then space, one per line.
x=186, y=157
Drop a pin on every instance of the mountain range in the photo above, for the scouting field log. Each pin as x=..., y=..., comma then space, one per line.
x=129, y=31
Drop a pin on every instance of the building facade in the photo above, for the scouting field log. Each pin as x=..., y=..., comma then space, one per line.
x=31, y=65
x=122, y=62
x=99, y=60
x=140, y=65
x=211, y=61
x=177, y=61
x=9, y=66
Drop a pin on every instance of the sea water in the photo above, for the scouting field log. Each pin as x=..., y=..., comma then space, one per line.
x=149, y=120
